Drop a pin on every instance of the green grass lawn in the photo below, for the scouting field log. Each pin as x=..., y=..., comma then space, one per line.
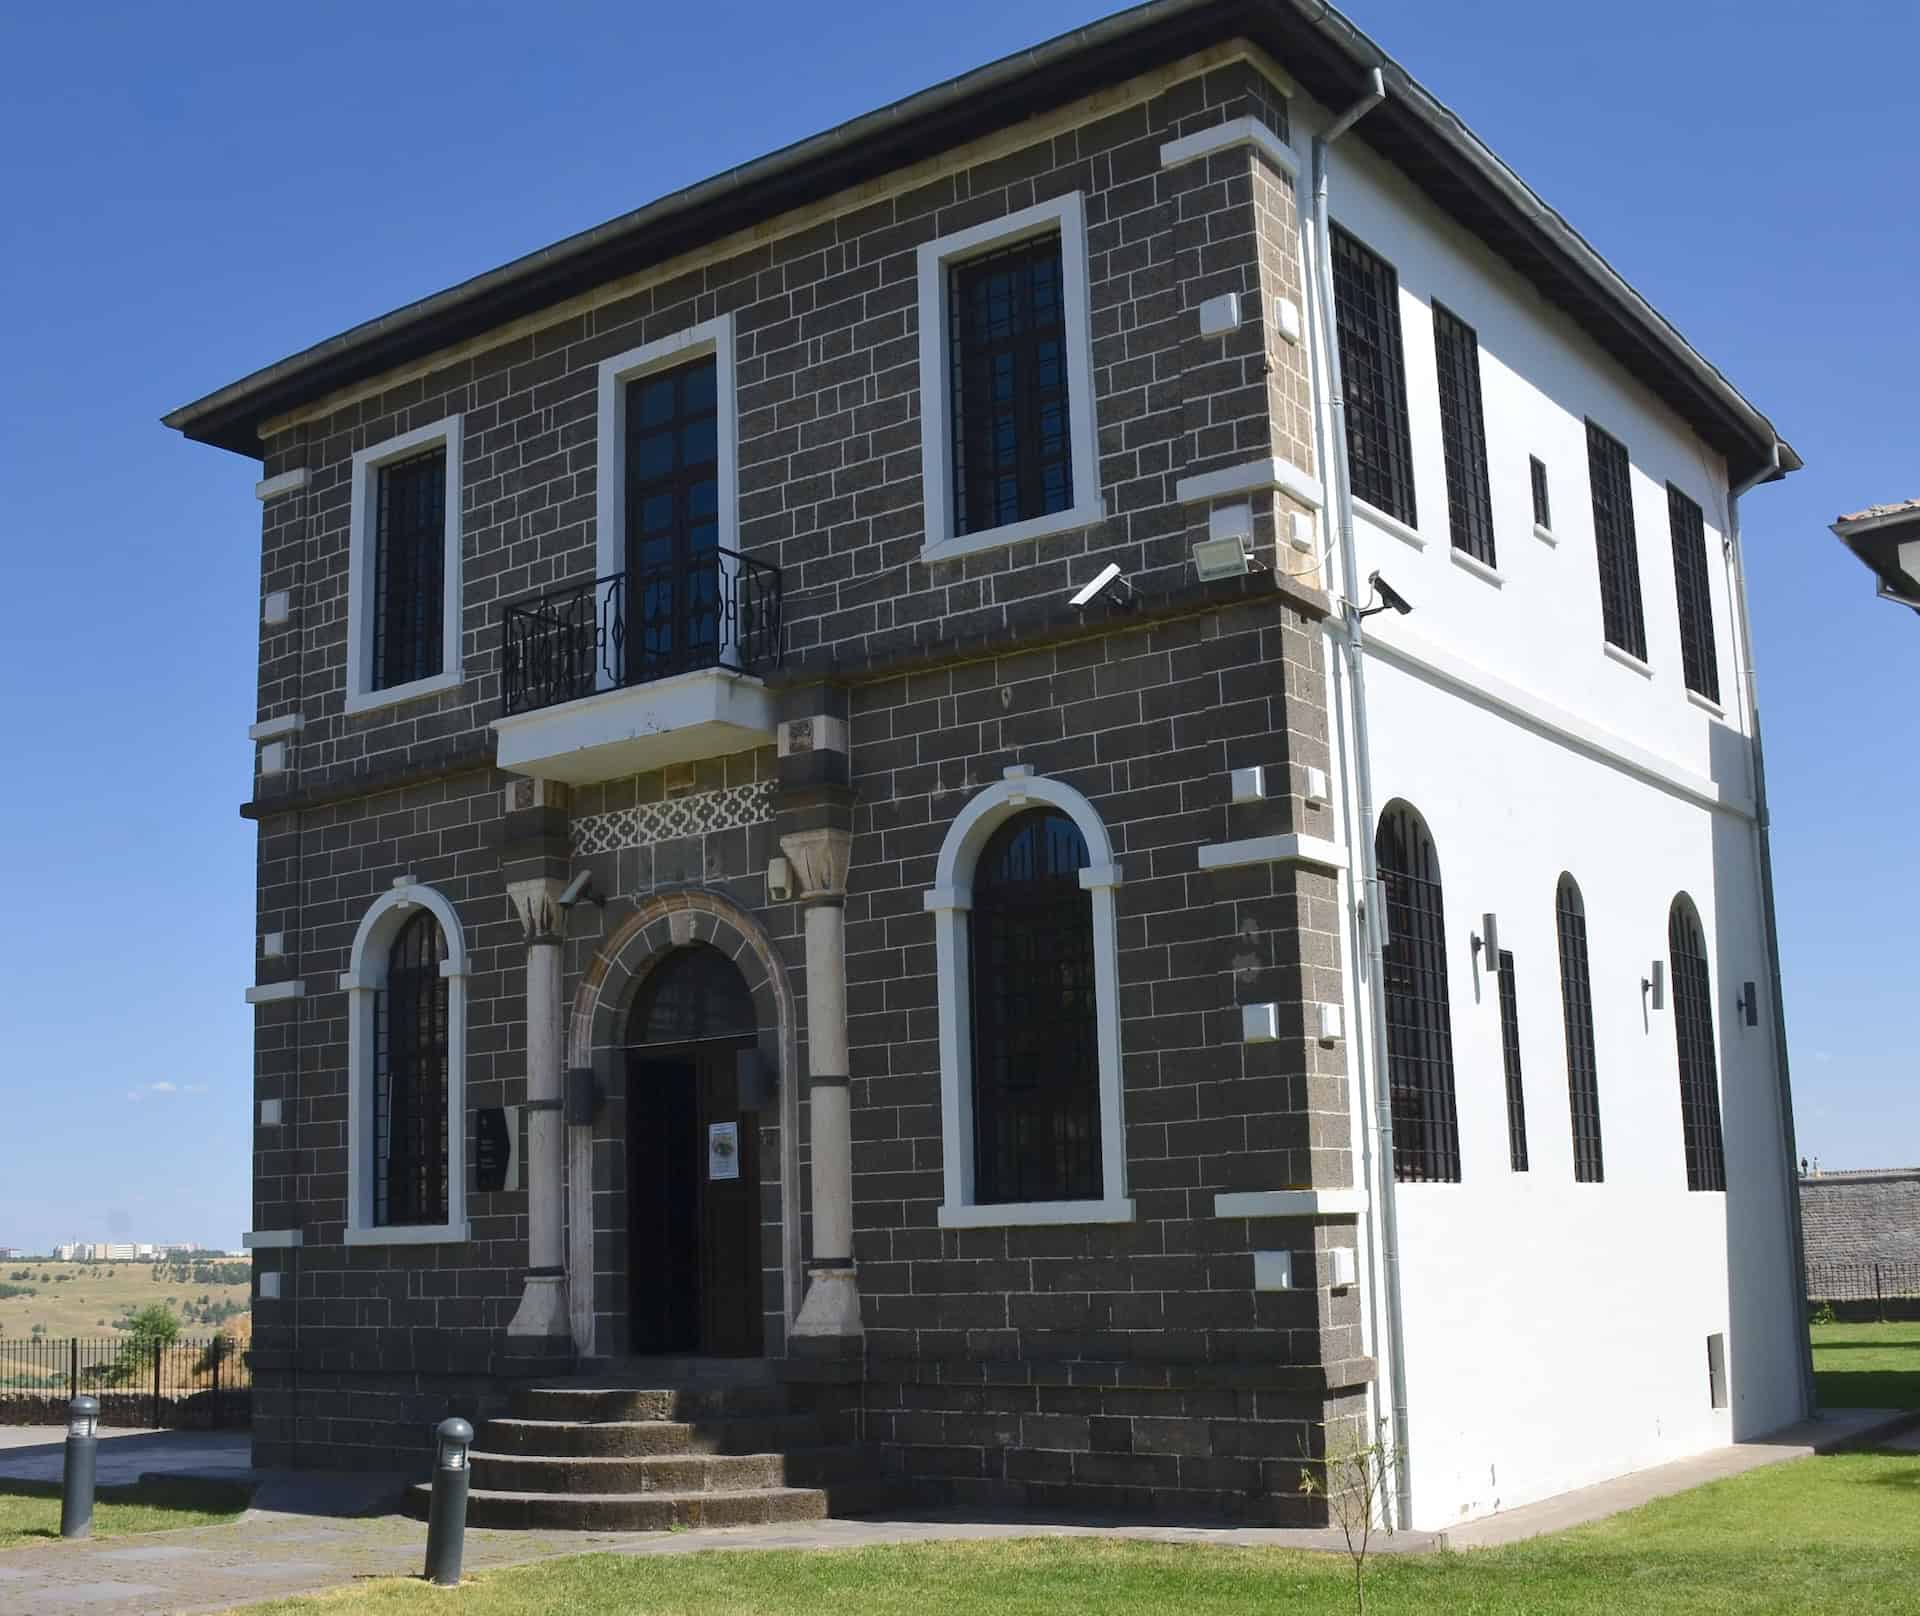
x=30, y=1510
x=1838, y=1534
x=1867, y=1365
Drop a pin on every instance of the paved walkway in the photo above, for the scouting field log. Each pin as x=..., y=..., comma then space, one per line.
x=299, y=1537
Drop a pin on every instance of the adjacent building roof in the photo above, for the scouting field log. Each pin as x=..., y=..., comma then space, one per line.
x=1887, y=539
x=1854, y=1220
x=1332, y=61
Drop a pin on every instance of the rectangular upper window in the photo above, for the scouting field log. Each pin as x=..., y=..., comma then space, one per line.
x=1008, y=446
x=1463, y=435
x=1615, y=543
x=403, y=614
x=1542, y=507
x=1691, y=587
x=1373, y=376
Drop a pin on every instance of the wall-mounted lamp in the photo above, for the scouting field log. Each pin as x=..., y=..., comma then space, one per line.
x=1227, y=550
x=1655, y=986
x=1748, y=1004
x=1109, y=581
x=1488, y=939
x=779, y=879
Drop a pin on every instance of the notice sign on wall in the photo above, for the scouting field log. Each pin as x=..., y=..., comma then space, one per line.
x=723, y=1150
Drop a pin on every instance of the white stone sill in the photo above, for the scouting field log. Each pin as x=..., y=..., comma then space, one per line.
x=369, y=701
x=409, y=1234
x=1627, y=659
x=1015, y=1214
x=1392, y=526
x=995, y=538
x=1477, y=567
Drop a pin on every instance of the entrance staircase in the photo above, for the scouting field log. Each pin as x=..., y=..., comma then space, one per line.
x=650, y=1444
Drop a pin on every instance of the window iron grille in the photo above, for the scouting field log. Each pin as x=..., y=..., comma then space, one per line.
x=1693, y=1035
x=1012, y=443
x=1463, y=435
x=410, y=1079
x=1426, y=1130
x=1542, y=506
x=1699, y=658
x=409, y=569
x=1616, y=543
x=1510, y=1059
x=1036, y=1065
x=694, y=992
x=1373, y=378
x=1576, y=1006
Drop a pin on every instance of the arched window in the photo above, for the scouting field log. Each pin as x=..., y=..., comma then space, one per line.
x=1576, y=1008
x=1029, y=982
x=410, y=1079
x=1426, y=1130
x=694, y=992
x=1693, y=1034
x=1036, y=1062
x=406, y=1063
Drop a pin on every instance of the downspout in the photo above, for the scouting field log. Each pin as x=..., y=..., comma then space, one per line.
x=1369, y=898
x=1763, y=836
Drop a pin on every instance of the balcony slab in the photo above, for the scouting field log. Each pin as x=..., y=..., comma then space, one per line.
x=707, y=713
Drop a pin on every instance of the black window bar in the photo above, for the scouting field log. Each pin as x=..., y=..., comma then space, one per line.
x=1463, y=435
x=410, y=1079
x=1373, y=377
x=1615, y=543
x=1510, y=1059
x=1012, y=440
x=1542, y=507
x=409, y=568
x=1693, y=1034
x=1576, y=1006
x=1426, y=1129
x=1699, y=659
x=1036, y=1061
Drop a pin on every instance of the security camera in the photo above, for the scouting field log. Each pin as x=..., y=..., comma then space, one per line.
x=1108, y=578
x=577, y=889
x=1389, y=596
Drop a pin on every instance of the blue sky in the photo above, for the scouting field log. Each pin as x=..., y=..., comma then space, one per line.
x=192, y=192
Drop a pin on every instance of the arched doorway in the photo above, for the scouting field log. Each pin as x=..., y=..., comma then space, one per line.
x=693, y=1161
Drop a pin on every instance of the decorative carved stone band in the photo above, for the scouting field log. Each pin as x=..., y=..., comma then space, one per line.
x=696, y=815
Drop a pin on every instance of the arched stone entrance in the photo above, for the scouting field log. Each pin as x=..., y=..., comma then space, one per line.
x=602, y=1033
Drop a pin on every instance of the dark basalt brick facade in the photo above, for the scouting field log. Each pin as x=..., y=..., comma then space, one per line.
x=1129, y=1365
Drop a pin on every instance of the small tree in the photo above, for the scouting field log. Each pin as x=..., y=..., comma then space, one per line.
x=152, y=1328
x=1354, y=1478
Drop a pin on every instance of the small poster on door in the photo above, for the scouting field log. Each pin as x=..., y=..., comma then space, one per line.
x=723, y=1150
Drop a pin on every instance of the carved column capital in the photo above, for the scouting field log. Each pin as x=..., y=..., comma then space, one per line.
x=819, y=859
x=537, y=904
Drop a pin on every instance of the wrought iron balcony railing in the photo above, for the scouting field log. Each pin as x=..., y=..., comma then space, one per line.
x=634, y=627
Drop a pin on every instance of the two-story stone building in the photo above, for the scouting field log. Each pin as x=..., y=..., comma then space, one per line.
x=818, y=797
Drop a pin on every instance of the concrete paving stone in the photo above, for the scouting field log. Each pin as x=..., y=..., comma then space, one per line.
x=61, y=1595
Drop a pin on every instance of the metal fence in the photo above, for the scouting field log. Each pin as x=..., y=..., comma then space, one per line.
x=179, y=1384
x=1870, y=1282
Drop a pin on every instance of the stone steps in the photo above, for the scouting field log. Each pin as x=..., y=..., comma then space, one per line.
x=595, y=1439
x=635, y=1512
x=626, y=1450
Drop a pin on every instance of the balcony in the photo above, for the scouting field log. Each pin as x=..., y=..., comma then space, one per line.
x=640, y=669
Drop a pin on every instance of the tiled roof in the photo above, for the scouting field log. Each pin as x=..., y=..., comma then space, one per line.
x=1874, y=513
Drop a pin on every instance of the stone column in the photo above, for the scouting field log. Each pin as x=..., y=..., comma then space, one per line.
x=816, y=835
x=832, y=1305
x=534, y=853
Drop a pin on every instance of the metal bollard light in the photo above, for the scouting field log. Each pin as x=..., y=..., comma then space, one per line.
x=76, y=1481
x=447, y=1509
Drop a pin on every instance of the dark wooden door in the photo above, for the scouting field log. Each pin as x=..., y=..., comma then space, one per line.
x=694, y=1249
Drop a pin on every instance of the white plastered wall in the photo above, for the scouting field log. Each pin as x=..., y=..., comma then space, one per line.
x=1555, y=1332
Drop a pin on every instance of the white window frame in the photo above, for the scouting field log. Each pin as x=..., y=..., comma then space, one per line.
x=950, y=901
x=363, y=538
x=1066, y=217
x=365, y=977
x=610, y=531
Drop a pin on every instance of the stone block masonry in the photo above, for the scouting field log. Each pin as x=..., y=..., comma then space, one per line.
x=1131, y=1365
